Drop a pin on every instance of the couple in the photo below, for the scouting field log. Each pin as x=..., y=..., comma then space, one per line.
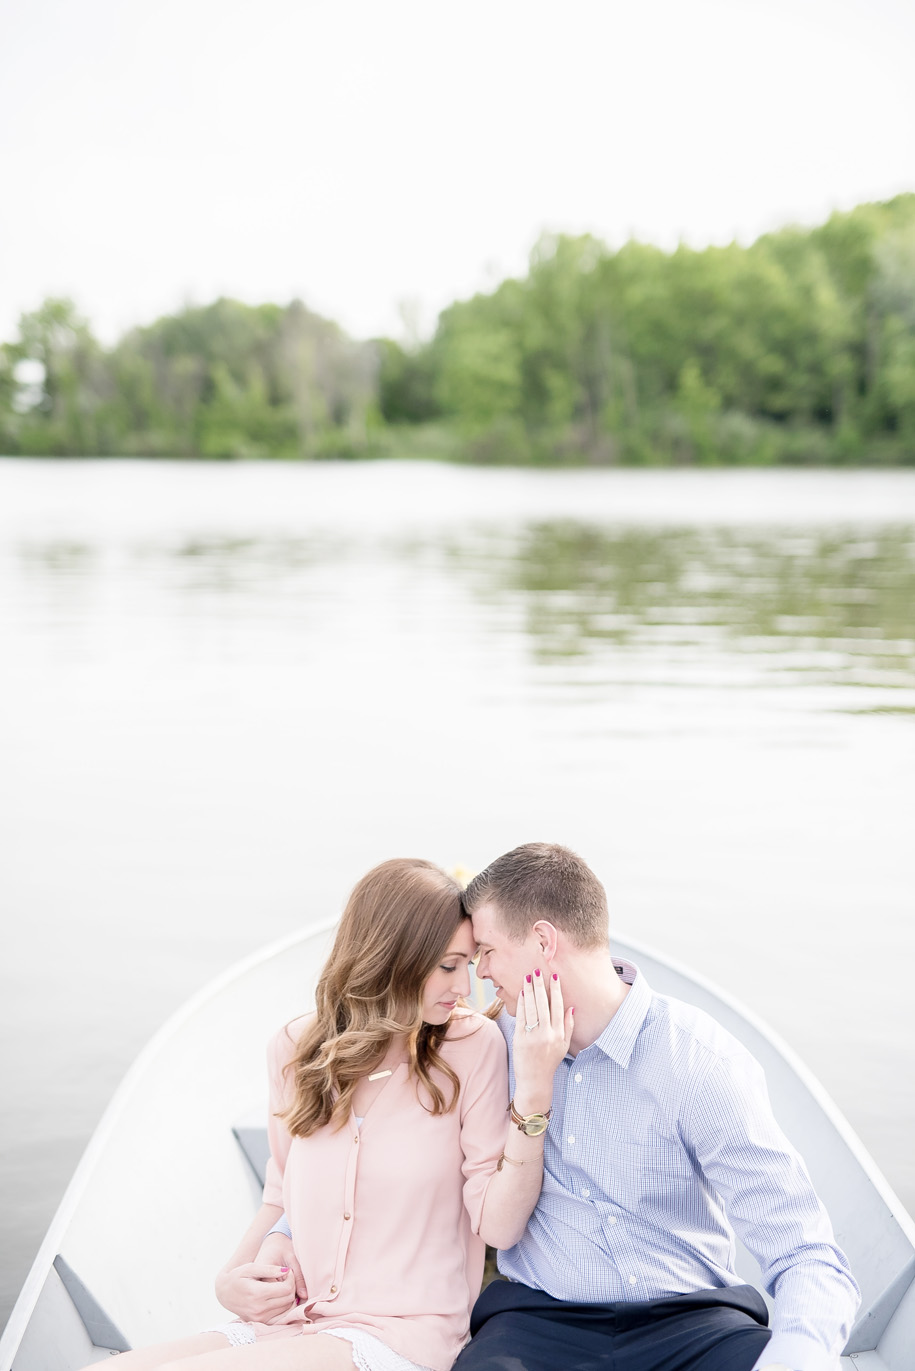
x=638, y=1132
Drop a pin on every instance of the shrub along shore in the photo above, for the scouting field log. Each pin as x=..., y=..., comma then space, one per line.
x=798, y=349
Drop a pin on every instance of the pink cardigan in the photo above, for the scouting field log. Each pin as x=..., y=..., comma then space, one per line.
x=385, y=1217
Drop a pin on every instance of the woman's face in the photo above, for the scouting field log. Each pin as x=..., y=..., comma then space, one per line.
x=451, y=978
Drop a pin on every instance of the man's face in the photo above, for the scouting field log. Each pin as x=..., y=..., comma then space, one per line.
x=502, y=960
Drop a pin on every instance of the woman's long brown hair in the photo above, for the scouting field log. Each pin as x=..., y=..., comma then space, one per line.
x=396, y=927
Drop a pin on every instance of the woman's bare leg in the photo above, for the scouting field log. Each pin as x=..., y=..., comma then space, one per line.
x=151, y=1358
x=302, y=1352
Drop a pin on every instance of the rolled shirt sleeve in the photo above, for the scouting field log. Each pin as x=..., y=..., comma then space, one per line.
x=279, y=1052
x=484, y=1116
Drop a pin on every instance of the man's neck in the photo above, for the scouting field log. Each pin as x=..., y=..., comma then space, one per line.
x=591, y=984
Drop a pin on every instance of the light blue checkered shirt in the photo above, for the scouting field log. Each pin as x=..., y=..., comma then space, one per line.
x=657, y=1128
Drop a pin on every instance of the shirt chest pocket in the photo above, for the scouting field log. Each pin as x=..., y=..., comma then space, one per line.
x=614, y=1174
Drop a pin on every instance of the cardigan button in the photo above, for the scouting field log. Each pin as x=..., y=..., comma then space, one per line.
x=333, y=1290
x=346, y=1216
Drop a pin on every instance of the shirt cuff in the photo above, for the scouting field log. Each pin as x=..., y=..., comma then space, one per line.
x=797, y=1351
x=281, y=1226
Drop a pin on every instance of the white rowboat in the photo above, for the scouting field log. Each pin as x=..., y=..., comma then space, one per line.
x=172, y=1175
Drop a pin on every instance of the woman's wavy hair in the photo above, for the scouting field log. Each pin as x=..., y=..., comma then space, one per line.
x=396, y=927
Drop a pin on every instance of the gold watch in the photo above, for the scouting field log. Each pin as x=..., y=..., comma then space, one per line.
x=530, y=1124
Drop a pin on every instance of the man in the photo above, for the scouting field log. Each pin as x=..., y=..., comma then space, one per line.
x=658, y=1138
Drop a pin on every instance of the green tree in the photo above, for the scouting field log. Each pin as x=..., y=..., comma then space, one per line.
x=698, y=403
x=406, y=383
x=60, y=416
x=476, y=355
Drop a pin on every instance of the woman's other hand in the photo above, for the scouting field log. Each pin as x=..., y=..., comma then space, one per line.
x=257, y=1290
x=277, y=1249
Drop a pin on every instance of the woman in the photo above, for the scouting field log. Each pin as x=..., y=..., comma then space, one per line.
x=389, y=1132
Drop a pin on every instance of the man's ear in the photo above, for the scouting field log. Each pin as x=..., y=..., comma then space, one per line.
x=548, y=937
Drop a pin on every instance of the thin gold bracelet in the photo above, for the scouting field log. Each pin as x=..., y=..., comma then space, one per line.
x=511, y=1161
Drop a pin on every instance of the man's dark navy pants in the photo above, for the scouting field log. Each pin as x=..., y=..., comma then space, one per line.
x=518, y=1329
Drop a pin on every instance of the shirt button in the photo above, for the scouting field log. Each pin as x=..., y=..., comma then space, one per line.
x=571, y=1140
x=632, y=1280
x=612, y=1220
x=587, y=1194
x=578, y=1077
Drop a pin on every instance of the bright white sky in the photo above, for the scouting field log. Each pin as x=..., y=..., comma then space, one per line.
x=366, y=154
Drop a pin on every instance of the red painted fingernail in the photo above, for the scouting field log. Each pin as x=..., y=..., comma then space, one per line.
x=528, y=980
x=537, y=972
x=555, y=977
x=284, y=1269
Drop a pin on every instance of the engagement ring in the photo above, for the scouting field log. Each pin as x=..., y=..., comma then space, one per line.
x=529, y=1027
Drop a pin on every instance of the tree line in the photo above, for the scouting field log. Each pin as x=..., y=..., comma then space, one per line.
x=797, y=349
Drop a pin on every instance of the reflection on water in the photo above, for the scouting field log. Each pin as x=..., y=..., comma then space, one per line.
x=840, y=608
x=833, y=606
x=226, y=692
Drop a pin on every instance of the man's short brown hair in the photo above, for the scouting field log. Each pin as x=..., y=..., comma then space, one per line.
x=543, y=881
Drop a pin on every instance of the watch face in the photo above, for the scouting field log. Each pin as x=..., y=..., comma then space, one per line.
x=534, y=1126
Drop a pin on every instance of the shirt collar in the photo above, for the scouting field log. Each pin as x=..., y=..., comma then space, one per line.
x=619, y=1037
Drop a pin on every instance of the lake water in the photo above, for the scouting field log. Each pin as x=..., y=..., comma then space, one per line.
x=228, y=690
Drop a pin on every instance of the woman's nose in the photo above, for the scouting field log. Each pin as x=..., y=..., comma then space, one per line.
x=463, y=980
